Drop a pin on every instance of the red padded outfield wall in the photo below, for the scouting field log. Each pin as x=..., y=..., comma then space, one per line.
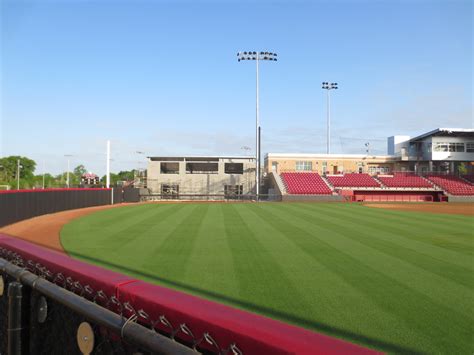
x=251, y=333
x=392, y=196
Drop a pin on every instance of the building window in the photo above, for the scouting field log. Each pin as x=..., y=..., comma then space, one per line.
x=449, y=147
x=440, y=147
x=304, y=166
x=379, y=170
x=202, y=168
x=169, y=168
x=470, y=147
x=234, y=168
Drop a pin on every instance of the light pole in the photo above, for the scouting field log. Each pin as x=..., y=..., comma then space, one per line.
x=329, y=86
x=257, y=56
x=68, y=156
x=107, y=178
x=44, y=172
x=18, y=167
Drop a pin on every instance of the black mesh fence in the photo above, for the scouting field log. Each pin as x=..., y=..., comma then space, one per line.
x=17, y=206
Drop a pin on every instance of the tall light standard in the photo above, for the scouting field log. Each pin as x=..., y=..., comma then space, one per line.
x=44, y=172
x=257, y=56
x=68, y=156
x=329, y=86
x=18, y=167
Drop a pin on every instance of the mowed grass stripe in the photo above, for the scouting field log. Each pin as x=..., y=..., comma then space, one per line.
x=445, y=231
x=393, y=245
x=397, y=289
x=255, y=268
x=319, y=279
x=380, y=285
x=210, y=265
x=115, y=234
x=448, y=292
x=408, y=237
x=172, y=254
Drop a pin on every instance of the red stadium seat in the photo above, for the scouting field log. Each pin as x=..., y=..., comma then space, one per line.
x=405, y=180
x=353, y=180
x=305, y=184
x=452, y=184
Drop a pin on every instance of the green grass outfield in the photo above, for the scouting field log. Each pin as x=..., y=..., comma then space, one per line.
x=396, y=281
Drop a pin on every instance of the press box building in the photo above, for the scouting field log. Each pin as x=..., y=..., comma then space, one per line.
x=201, y=175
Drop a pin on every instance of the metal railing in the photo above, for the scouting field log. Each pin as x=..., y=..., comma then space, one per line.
x=46, y=312
x=209, y=197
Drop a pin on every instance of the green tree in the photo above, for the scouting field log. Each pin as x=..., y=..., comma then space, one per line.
x=9, y=168
x=462, y=169
x=126, y=175
x=79, y=171
x=114, y=178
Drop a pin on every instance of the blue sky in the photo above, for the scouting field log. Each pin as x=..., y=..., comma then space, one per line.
x=162, y=77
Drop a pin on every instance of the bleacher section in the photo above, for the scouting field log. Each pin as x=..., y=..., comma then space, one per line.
x=353, y=180
x=305, y=184
x=452, y=184
x=405, y=180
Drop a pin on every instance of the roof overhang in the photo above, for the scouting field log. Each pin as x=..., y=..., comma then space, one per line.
x=446, y=132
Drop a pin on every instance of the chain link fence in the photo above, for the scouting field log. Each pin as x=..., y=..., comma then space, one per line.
x=54, y=308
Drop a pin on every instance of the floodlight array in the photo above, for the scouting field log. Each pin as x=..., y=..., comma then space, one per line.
x=252, y=55
x=329, y=86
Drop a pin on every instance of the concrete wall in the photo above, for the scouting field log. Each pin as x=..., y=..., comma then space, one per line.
x=203, y=183
x=452, y=198
x=312, y=198
x=333, y=164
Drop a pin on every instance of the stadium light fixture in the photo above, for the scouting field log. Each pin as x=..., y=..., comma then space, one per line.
x=329, y=86
x=257, y=56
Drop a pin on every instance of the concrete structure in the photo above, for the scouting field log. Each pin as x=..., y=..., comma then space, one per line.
x=441, y=150
x=173, y=177
x=329, y=163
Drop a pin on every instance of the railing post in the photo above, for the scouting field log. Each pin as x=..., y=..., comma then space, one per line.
x=16, y=317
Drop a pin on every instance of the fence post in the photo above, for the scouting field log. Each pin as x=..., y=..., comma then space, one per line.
x=16, y=317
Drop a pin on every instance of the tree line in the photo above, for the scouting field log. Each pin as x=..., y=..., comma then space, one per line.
x=29, y=180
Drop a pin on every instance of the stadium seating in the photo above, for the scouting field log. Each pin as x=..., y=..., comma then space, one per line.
x=452, y=184
x=353, y=180
x=404, y=180
x=305, y=184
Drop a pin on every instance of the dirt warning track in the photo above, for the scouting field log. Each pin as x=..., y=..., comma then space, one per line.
x=45, y=230
x=466, y=209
